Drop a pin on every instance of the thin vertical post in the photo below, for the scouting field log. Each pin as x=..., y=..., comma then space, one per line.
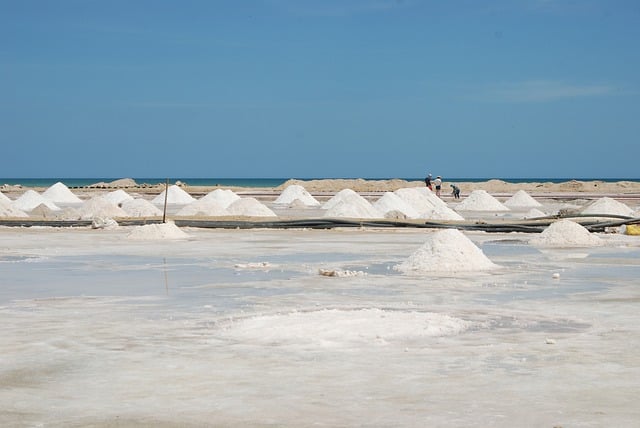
x=166, y=194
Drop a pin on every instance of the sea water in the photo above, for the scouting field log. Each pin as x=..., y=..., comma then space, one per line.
x=237, y=328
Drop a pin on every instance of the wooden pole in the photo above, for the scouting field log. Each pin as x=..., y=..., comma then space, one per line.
x=166, y=195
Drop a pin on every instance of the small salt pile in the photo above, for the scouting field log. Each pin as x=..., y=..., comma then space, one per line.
x=140, y=208
x=250, y=207
x=534, y=213
x=342, y=196
x=349, y=204
x=157, y=231
x=521, y=199
x=31, y=199
x=118, y=196
x=608, y=206
x=67, y=213
x=223, y=196
x=60, y=194
x=427, y=204
x=8, y=210
x=480, y=200
x=390, y=203
x=203, y=207
x=296, y=192
x=565, y=233
x=42, y=211
x=98, y=207
x=175, y=195
x=447, y=250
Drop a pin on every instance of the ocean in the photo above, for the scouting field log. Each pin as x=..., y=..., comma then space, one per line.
x=265, y=182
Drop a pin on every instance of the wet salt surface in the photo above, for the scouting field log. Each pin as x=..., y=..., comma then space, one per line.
x=98, y=330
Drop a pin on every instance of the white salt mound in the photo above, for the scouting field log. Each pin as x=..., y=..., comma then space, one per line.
x=140, y=208
x=534, y=213
x=175, y=195
x=60, y=194
x=157, y=231
x=431, y=197
x=4, y=197
x=203, y=207
x=353, y=209
x=337, y=327
x=447, y=250
x=223, y=196
x=419, y=200
x=295, y=191
x=427, y=204
x=521, y=199
x=250, y=207
x=8, y=210
x=480, y=200
x=390, y=202
x=31, y=199
x=608, y=206
x=565, y=233
x=344, y=195
x=118, y=196
x=98, y=207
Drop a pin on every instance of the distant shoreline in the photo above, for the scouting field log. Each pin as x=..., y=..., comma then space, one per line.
x=570, y=189
x=276, y=182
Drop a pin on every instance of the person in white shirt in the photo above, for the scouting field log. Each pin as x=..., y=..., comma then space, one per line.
x=438, y=185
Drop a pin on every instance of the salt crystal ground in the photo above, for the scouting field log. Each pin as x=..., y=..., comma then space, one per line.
x=237, y=328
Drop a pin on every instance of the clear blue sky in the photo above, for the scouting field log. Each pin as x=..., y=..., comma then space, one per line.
x=322, y=88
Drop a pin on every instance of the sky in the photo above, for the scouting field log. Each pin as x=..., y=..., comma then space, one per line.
x=320, y=88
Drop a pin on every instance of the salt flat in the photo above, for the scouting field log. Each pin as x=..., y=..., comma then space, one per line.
x=237, y=328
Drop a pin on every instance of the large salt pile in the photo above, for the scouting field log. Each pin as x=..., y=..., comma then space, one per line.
x=390, y=203
x=250, y=207
x=140, y=208
x=60, y=194
x=608, y=206
x=565, y=233
x=203, y=207
x=347, y=203
x=223, y=196
x=175, y=195
x=118, y=196
x=427, y=204
x=157, y=231
x=98, y=207
x=296, y=192
x=8, y=210
x=416, y=198
x=31, y=199
x=521, y=199
x=480, y=200
x=447, y=250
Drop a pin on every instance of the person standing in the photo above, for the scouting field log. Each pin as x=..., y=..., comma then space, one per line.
x=438, y=183
x=427, y=181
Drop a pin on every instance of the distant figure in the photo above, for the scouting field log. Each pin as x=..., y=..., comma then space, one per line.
x=438, y=183
x=455, y=192
x=427, y=181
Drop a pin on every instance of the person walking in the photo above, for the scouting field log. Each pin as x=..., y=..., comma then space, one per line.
x=438, y=183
